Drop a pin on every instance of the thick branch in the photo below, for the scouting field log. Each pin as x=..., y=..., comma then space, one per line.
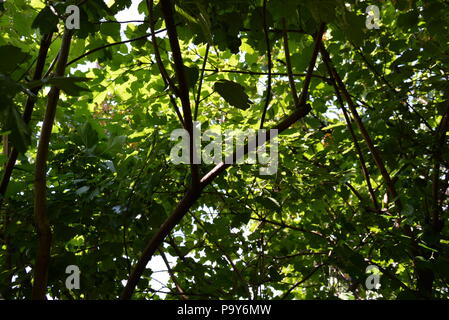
x=40, y=188
x=165, y=77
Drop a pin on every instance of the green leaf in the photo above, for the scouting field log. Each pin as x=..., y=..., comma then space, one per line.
x=353, y=27
x=269, y=203
x=157, y=215
x=89, y=135
x=20, y=135
x=11, y=57
x=67, y=84
x=8, y=90
x=322, y=10
x=233, y=93
x=46, y=21
x=192, y=75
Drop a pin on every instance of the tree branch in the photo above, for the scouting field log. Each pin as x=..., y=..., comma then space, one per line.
x=182, y=295
x=167, y=80
x=198, y=96
x=42, y=56
x=307, y=277
x=167, y=10
x=437, y=222
x=194, y=192
x=257, y=73
x=354, y=137
x=267, y=43
x=375, y=153
x=289, y=65
x=40, y=188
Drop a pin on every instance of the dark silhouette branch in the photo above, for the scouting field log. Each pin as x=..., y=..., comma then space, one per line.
x=181, y=292
x=291, y=79
x=437, y=221
x=307, y=277
x=110, y=45
x=354, y=137
x=165, y=77
x=374, y=151
x=200, y=85
x=259, y=73
x=183, y=94
x=270, y=64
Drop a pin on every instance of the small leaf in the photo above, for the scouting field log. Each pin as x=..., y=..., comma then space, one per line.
x=46, y=21
x=233, y=93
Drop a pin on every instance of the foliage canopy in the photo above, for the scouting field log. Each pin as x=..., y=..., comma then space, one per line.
x=363, y=158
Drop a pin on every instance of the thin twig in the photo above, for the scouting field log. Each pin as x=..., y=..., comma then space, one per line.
x=198, y=97
x=267, y=43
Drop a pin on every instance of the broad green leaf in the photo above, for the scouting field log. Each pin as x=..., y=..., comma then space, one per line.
x=11, y=57
x=46, y=21
x=20, y=135
x=66, y=84
x=89, y=135
x=233, y=93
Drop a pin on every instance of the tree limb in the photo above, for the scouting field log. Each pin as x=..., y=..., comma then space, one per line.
x=167, y=10
x=195, y=191
x=40, y=188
